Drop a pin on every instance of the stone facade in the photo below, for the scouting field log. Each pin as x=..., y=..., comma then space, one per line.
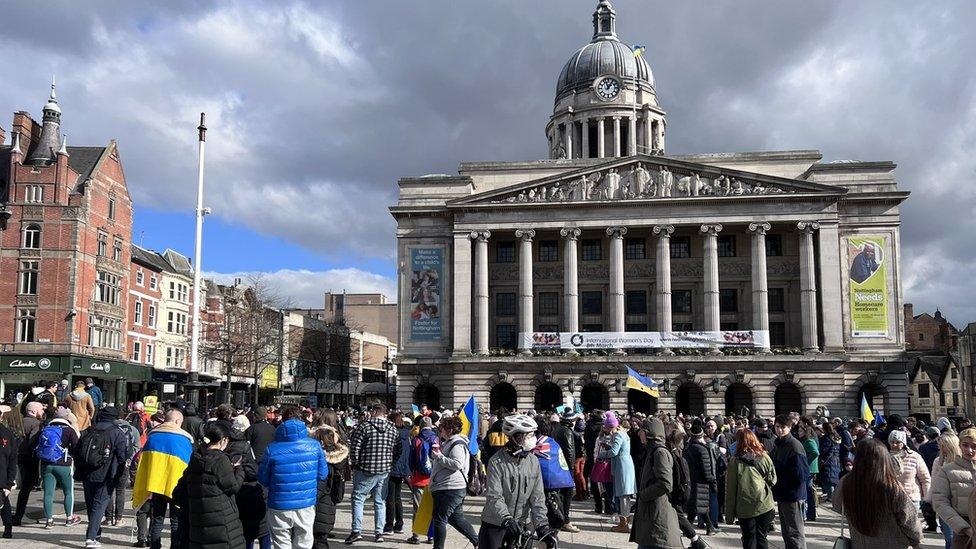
x=632, y=240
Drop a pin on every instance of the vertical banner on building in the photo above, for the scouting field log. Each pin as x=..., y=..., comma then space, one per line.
x=427, y=265
x=868, y=285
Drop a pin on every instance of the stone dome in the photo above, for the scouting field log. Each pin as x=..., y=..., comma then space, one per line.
x=603, y=56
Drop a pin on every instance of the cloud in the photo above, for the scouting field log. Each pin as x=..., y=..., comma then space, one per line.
x=300, y=288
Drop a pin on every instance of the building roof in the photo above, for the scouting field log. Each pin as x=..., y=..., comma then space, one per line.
x=148, y=258
x=84, y=159
x=178, y=263
x=936, y=367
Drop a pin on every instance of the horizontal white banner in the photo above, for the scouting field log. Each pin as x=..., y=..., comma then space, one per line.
x=643, y=340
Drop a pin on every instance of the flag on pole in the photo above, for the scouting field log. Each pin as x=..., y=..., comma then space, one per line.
x=469, y=424
x=415, y=409
x=423, y=521
x=866, y=413
x=642, y=383
x=639, y=50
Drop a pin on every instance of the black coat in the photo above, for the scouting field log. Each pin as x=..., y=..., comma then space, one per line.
x=325, y=511
x=250, y=498
x=8, y=458
x=564, y=436
x=211, y=483
x=260, y=434
x=194, y=426
x=701, y=472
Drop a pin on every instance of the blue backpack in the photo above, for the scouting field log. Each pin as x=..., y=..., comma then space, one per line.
x=420, y=457
x=49, y=448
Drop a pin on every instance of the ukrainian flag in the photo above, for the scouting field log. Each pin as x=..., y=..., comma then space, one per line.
x=423, y=521
x=469, y=424
x=161, y=464
x=642, y=383
x=866, y=413
x=639, y=50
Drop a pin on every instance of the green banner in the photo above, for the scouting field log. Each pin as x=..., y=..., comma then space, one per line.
x=868, y=285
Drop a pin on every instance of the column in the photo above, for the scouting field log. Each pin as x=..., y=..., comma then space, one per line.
x=480, y=291
x=569, y=138
x=585, y=137
x=570, y=280
x=830, y=287
x=808, y=287
x=648, y=134
x=655, y=139
x=760, y=301
x=616, y=235
x=462, y=294
x=712, y=313
x=525, y=237
x=601, y=149
x=663, y=234
x=616, y=137
x=632, y=135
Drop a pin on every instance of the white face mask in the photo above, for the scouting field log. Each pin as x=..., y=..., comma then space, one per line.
x=529, y=442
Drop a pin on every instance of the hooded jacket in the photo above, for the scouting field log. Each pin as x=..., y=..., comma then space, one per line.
x=401, y=468
x=69, y=440
x=211, y=484
x=792, y=470
x=513, y=490
x=96, y=395
x=749, y=487
x=655, y=519
x=82, y=406
x=114, y=466
x=260, y=434
x=449, y=468
x=292, y=466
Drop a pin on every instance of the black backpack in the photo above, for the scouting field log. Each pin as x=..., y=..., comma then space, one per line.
x=94, y=449
x=680, y=480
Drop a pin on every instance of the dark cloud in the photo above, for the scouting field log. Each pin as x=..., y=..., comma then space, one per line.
x=316, y=108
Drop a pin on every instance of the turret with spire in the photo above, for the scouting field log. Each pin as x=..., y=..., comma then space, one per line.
x=50, y=141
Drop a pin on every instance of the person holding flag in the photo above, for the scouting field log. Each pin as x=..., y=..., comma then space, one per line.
x=450, y=460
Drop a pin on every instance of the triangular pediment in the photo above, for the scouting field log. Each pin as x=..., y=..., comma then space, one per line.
x=641, y=178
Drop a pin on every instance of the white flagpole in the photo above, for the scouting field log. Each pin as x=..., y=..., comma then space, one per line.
x=198, y=252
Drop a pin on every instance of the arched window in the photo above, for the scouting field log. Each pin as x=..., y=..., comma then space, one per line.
x=548, y=396
x=639, y=401
x=594, y=396
x=788, y=399
x=503, y=395
x=690, y=399
x=32, y=237
x=428, y=394
x=738, y=400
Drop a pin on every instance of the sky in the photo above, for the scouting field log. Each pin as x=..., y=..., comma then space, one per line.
x=315, y=109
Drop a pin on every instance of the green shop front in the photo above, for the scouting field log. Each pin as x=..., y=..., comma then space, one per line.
x=118, y=380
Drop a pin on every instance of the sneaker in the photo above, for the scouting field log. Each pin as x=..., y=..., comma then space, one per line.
x=698, y=544
x=353, y=538
x=568, y=527
x=414, y=540
x=48, y=524
x=72, y=520
x=141, y=543
x=118, y=521
x=92, y=543
x=379, y=538
x=398, y=530
x=387, y=531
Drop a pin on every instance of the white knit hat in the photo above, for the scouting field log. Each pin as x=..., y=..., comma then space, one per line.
x=898, y=436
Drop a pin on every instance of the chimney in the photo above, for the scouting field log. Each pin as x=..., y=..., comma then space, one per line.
x=3, y=135
x=28, y=129
x=909, y=311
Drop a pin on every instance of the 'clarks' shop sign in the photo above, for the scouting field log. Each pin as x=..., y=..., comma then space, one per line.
x=41, y=364
x=25, y=364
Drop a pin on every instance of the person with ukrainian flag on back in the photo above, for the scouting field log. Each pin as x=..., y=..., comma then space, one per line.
x=162, y=461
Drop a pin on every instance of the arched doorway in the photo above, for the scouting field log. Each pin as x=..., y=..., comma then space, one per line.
x=788, y=399
x=738, y=400
x=427, y=393
x=594, y=396
x=548, y=396
x=690, y=399
x=874, y=393
x=503, y=395
x=639, y=401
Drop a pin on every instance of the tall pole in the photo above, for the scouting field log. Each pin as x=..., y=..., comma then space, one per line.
x=197, y=258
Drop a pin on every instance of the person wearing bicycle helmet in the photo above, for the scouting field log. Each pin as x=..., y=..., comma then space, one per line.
x=514, y=495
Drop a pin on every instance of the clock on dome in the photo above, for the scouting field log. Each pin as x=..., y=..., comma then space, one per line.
x=607, y=88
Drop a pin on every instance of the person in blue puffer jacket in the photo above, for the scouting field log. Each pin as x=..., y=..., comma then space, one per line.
x=292, y=466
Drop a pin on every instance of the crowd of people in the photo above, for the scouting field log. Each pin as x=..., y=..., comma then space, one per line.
x=273, y=476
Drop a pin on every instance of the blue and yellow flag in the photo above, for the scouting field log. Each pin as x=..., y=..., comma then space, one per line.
x=469, y=424
x=423, y=521
x=415, y=410
x=161, y=463
x=866, y=413
x=639, y=50
x=642, y=383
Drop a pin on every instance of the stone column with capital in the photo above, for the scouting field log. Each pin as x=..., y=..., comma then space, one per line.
x=616, y=137
x=601, y=137
x=808, y=286
x=569, y=138
x=663, y=234
x=648, y=135
x=462, y=294
x=480, y=290
x=713, y=318
x=570, y=280
x=585, y=138
x=632, y=136
x=616, y=235
x=760, y=301
x=525, y=237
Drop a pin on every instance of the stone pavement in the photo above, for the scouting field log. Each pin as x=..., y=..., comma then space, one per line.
x=595, y=531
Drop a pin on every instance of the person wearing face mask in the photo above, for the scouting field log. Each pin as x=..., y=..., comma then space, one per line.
x=211, y=482
x=514, y=497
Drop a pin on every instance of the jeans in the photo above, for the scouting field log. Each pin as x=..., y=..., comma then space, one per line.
x=811, y=500
x=713, y=507
x=116, y=498
x=946, y=533
x=754, y=531
x=57, y=476
x=364, y=485
x=96, y=502
x=157, y=516
x=142, y=520
x=448, y=509
x=791, y=522
x=394, y=505
x=29, y=475
x=291, y=529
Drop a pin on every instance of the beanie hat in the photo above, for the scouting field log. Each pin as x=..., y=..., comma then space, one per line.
x=898, y=436
x=610, y=420
x=696, y=430
x=943, y=424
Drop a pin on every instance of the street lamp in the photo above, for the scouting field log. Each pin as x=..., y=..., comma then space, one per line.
x=386, y=381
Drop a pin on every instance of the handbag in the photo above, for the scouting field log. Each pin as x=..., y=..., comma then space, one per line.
x=601, y=471
x=842, y=542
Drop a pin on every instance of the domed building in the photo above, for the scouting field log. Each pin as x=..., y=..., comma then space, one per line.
x=733, y=283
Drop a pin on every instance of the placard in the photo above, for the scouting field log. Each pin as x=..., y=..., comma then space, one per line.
x=868, y=279
x=427, y=266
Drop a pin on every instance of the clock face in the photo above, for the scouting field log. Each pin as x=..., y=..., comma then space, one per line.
x=608, y=88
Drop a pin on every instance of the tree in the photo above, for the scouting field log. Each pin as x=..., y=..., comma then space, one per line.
x=318, y=350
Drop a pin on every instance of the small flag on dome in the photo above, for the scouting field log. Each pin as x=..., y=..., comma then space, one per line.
x=639, y=50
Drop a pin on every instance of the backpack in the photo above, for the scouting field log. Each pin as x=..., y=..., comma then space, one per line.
x=420, y=457
x=49, y=448
x=680, y=480
x=132, y=437
x=477, y=477
x=94, y=449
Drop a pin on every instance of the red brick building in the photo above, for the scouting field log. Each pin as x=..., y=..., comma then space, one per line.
x=929, y=333
x=65, y=236
x=145, y=291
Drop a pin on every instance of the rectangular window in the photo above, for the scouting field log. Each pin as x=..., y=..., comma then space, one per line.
x=117, y=250
x=728, y=326
x=140, y=278
x=728, y=300
x=505, y=252
x=32, y=237
x=636, y=302
x=634, y=248
x=153, y=282
x=152, y=316
x=28, y=278
x=505, y=335
x=592, y=303
x=34, y=193
x=953, y=374
x=548, y=304
x=105, y=332
x=170, y=321
x=26, y=325
x=955, y=399
x=635, y=327
x=921, y=337
x=138, y=312
x=111, y=208
x=170, y=358
x=681, y=327
x=592, y=327
x=181, y=323
x=726, y=245
x=680, y=247
x=107, y=288
x=102, y=250
x=941, y=399
x=136, y=351
x=172, y=290
x=149, y=353
x=774, y=245
x=923, y=390
x=548, y=250
x=592, y=249
x=776, y=298
x=182, y=292
x=504, y=304
x=777, y=334
x=548, y=327
x=681, y=301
